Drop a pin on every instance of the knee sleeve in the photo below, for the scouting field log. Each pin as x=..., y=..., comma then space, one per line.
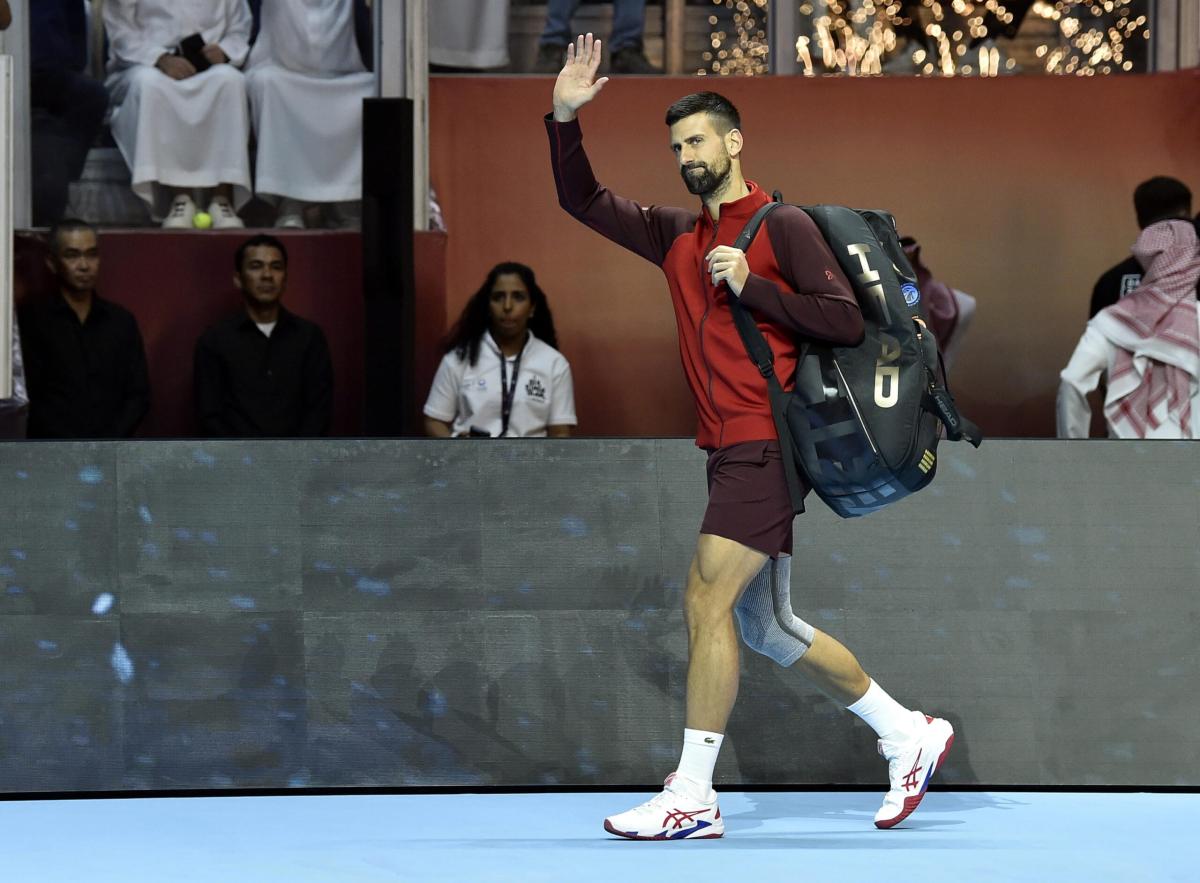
x=765, y=616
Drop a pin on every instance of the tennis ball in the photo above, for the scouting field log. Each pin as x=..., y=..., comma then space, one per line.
x=202, y=220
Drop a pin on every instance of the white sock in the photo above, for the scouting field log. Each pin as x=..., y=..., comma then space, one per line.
x=699, y=758
x=883, y=714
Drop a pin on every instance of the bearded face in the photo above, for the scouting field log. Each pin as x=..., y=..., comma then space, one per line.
x=703, y=178
x=702, y=151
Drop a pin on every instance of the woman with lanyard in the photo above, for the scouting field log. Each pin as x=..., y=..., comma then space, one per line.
x=501, y=375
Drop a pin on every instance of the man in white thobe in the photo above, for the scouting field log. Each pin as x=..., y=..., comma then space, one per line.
x=1147, y=345
x=307, y=82
x=180, y=125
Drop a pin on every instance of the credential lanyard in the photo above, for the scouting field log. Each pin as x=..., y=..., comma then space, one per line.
x=508, y=392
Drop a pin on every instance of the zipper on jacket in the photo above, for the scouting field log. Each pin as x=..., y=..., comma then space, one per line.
x=700, y=331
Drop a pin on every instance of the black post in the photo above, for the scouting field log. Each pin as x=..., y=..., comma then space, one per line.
x=388, y=280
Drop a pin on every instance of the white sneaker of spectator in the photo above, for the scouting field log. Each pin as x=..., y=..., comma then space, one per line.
x=180, y=214
x=291, y=214
x=223, y=215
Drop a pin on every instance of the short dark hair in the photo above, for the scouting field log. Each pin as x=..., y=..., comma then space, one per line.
x=65, y=225
x=725, y=115
x=1160, y=199
x=253, y=241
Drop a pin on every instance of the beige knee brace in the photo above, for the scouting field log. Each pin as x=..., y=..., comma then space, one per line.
x=765, y=615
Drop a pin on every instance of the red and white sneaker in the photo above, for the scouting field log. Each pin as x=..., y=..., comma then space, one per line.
x=672, y=814
x=911, y=764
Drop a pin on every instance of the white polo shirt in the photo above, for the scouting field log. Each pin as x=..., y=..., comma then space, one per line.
x=469, y=397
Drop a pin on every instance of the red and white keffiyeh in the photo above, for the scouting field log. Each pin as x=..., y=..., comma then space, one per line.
x=1155, y=332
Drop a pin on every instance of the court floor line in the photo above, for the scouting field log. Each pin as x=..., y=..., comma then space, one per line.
x=959, y=836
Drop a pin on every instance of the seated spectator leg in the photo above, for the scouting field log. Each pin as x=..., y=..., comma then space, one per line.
x=79, y=102
x=309, y=134
x=51, y=166
x=68, y=109
x=557, y=31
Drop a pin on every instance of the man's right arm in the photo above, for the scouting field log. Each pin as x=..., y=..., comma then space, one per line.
x=648, y=232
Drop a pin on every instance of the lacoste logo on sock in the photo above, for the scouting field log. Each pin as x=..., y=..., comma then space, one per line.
x=709, y=740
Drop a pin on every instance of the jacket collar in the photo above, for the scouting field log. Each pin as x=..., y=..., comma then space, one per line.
x=740, y=210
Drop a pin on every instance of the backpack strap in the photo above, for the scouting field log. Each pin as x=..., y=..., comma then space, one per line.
x=763, y=358
x=940, y=402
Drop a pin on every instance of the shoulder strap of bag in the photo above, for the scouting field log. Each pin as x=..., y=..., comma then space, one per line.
x=939, y=400
x=763, y=358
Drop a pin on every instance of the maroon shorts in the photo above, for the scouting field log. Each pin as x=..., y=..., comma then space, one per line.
x=748, y=499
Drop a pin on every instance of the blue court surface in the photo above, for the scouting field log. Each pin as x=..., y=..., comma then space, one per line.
x=793, y=836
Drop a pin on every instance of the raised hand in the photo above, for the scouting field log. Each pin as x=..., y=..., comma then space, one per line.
x=577, y=84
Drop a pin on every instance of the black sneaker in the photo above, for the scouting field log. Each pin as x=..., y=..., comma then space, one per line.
x=550, y=59
x=631, y=60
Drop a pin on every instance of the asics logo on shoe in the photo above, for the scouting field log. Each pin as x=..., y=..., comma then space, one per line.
x=910, y=780
x=678, y=816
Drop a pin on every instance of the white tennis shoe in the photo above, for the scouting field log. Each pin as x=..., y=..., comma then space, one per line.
x=911, y=764
x=673, y=814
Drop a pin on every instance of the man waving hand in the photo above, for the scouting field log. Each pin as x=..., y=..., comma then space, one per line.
x=741, y=569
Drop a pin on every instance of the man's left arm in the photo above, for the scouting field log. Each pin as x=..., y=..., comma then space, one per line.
x=135, y=401
x=822, y=306
x=317, y=401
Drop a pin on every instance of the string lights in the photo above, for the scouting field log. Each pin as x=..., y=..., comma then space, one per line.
x=742, y=52
x=935, y=37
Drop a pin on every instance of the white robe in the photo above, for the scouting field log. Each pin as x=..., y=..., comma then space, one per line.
x=306, y=83
x=189, y=133
x=1095, y=355
x=469, y=33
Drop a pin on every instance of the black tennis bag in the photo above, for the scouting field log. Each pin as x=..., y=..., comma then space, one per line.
x=862, y=422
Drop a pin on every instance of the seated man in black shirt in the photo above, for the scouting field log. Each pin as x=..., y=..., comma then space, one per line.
x=1159, y=199
x=263, y=372
x=85, y=366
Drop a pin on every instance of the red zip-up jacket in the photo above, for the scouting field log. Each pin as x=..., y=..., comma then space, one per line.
x=795, y=288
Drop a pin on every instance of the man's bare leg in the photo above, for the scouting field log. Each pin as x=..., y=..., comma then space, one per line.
x=720, y=571
x=687, y=807
x=834, y=670
x=914, y=744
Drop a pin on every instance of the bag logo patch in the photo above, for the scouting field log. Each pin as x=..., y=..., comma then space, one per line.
x=910, y=292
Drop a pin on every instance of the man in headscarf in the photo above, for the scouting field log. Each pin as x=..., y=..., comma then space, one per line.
x=180, y=115
x=307, y=81
x=1147, y=344
x=1154, y=200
